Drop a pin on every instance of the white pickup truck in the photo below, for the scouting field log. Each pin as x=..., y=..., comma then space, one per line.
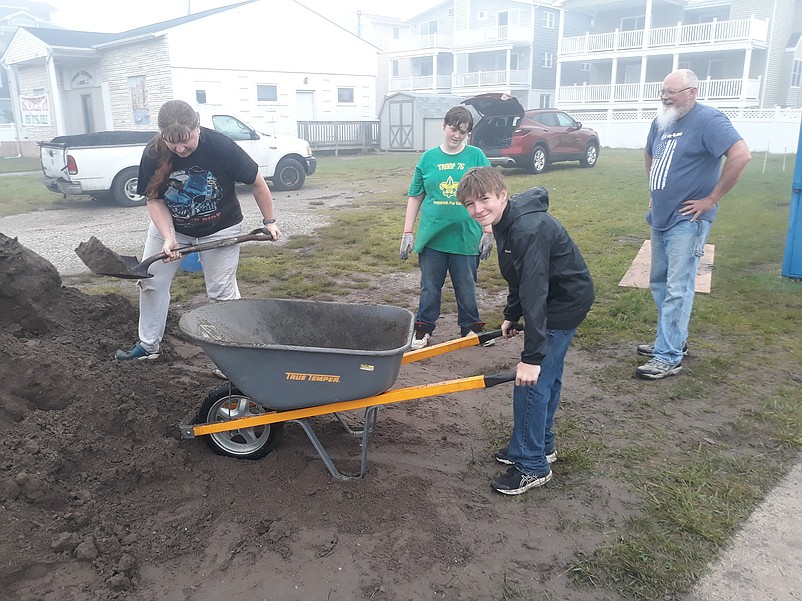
x=106, y=164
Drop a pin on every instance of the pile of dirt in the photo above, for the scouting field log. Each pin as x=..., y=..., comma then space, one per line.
x=101, y=499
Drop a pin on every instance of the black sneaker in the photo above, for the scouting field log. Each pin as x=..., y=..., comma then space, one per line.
x=647, y=350
x=501, y=456
x=515, y=482
x=657, y=370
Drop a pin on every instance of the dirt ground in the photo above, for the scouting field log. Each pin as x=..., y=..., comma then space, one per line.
x=101, y=499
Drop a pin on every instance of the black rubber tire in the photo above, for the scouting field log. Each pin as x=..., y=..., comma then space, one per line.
x=248, y=443
x=290, y=174
x=123, y=189
x=591, y=155
x=538, y=160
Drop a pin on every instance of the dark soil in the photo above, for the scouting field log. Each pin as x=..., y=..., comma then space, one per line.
x=101, y=499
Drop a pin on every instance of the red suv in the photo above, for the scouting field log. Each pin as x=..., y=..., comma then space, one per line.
x=512, y=137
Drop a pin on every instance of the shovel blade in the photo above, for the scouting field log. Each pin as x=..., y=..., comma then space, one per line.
x=101, y=260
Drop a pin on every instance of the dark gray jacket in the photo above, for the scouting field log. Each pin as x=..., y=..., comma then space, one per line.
x=549, y=283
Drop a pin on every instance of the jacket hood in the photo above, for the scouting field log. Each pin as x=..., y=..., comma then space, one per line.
x=534, y=200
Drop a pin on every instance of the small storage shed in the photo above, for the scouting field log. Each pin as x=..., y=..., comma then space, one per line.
x=414, y=121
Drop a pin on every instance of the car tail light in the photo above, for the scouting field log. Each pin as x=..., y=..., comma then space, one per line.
x=72, y=166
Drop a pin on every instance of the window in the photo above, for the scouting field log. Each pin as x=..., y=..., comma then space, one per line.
x=266, y=93
x=633, y=23
x=345, y=95
x=545, y=101
x=585, y=66
x=481, y=15
x=395, y=68
x=232, y=127
x=548, y=60
x=428, y=28
x=139, y=100
x=796, y=74
x=513, y=62
x=396, y=33
x=548, y=20
x=200, y=96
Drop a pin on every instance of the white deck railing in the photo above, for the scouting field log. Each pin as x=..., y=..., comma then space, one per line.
x=480, y=79
x=748, y=31
x=420, y=82
x=420, y=42
x=709, y=89
x=498, y=33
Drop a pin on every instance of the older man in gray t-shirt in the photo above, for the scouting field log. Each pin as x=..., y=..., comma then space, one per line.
x=686, y=182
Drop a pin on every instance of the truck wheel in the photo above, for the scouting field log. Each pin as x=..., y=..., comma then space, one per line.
x=289, y=175
x=123, y=189
x=225, y=403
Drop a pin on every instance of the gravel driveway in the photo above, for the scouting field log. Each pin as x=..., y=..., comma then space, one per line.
x=54, y=234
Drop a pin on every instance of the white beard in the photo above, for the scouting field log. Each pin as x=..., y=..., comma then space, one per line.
x=667, y=115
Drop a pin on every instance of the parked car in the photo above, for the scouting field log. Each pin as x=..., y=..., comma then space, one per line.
x=533, y=139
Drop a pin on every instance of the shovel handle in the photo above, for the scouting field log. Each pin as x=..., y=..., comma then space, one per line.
x=485, y=336
x=259, y=234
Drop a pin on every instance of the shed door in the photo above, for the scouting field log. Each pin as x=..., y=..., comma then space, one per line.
x=401, y=125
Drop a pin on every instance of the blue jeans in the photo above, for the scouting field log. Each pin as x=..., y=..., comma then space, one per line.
x=675, y=259
x=533, y=409
x=433, y=268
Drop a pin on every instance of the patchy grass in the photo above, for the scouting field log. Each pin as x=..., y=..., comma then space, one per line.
x=742, y=384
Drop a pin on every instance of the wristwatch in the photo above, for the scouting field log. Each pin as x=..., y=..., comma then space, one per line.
x=268, y=221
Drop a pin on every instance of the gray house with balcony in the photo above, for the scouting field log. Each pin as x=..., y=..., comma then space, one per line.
x=603, y=55
x=467, y=47
x=614, y=54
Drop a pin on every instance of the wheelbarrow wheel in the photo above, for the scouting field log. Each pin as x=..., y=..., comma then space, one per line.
x=225, y=403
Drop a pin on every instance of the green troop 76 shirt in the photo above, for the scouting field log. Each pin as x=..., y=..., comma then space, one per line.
x=445, y=224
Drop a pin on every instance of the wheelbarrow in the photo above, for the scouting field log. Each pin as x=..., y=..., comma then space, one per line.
x=290, y=360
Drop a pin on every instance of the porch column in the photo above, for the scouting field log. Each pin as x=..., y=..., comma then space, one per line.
x=509, y=70
x=613, y=79
x=745, y=76
x=434, y=71
x=55, y=92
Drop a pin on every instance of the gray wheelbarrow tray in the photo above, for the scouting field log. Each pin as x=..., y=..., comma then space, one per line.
x=288, y=360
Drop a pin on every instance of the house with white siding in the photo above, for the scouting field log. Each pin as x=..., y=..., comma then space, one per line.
x=263, y=60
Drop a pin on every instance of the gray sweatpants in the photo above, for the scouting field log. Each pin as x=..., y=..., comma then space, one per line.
x=219, y=272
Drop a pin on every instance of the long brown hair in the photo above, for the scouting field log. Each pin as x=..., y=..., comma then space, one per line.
x=177, y=121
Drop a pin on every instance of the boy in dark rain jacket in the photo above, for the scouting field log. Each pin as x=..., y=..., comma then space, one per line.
x=551, y=289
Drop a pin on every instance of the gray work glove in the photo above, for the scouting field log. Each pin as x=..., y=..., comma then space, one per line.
x=485, y=246
x=407, y=242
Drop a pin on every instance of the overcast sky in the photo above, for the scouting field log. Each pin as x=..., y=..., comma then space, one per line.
x=122, y=15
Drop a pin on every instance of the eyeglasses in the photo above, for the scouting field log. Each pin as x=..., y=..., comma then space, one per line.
x=674, y=92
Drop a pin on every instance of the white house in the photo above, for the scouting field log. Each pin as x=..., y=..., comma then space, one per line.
x=272, y=62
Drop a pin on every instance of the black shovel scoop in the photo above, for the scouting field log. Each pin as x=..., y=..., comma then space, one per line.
x=104, y=261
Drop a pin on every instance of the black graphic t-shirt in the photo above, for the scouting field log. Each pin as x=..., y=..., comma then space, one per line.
x=200, y=190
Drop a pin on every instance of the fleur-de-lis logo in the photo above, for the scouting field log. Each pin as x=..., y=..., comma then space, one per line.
x=449, y=187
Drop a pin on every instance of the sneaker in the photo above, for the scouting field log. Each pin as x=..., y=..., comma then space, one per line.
x=647, y=350
x=515, y=482
x=478, y=329
x=501, y=456
x=138, y=353
x=421, y=340
x=657, y=370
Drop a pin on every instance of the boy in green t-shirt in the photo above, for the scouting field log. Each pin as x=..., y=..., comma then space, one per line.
x=448, y=240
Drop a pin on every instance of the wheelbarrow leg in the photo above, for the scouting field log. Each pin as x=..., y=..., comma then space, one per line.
x=347, y=427
x=370, y=422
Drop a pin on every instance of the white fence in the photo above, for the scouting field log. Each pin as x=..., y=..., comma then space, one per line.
x=772, y=130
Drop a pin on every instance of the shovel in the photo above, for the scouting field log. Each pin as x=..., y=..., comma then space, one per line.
x=104, y=261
